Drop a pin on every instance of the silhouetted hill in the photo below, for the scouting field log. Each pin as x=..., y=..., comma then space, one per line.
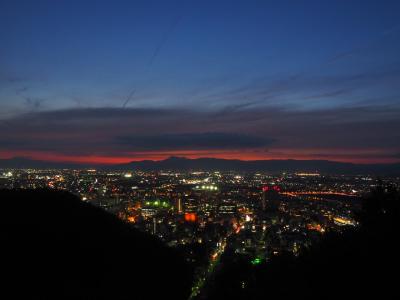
x=55, y=246
x=209, y=164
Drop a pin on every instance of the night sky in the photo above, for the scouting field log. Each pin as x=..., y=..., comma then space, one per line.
x=116, y=81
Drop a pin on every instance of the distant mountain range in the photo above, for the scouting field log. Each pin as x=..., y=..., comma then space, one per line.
x=213, y=164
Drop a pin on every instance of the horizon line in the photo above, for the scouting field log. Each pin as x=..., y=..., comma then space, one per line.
x=110, y=163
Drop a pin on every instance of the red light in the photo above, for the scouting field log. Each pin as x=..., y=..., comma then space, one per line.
x=190, y=217
x=277, y=188
x=273, y=188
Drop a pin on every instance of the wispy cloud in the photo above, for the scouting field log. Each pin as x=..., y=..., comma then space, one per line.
x=33, y=103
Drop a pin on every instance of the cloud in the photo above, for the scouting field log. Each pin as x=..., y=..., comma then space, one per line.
x=21, y=90
x=126, y=132
x=11, y=78
x=199, y=141
x=304, y=89
x=328, y=94
x=33, y=103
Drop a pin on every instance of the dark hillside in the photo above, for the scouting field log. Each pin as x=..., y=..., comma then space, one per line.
x=56, y=246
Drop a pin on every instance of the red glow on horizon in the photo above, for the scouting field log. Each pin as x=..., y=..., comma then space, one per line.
x=280, y=154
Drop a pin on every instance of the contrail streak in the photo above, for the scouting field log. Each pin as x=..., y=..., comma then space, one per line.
x=164, y=40
x=129, y=98
x=155, y=54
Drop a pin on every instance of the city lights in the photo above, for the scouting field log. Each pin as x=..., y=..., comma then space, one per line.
x=256, y=215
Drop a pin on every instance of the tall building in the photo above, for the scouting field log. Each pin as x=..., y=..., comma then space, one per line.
x=154, y=225
x=270, y=198
x=178, y=204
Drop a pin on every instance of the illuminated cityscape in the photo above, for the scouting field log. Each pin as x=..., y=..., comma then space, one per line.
x=199, y=150
x=256, y=215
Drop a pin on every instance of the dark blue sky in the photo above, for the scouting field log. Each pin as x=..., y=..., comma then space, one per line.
x=310, y=72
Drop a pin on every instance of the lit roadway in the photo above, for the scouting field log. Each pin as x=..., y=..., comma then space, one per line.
x=214, y=260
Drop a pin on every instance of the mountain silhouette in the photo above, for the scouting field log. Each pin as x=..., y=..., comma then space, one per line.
x=216, y=164
x=290, y=165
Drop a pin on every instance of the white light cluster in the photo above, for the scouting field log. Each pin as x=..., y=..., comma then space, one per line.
x=207, y=187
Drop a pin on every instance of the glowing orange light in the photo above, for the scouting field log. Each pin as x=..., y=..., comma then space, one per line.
x=131, y=219
x=190, y=217
x=315, y=227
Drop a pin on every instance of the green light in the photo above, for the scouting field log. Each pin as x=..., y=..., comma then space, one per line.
x=256, y=261
x=156, y=203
